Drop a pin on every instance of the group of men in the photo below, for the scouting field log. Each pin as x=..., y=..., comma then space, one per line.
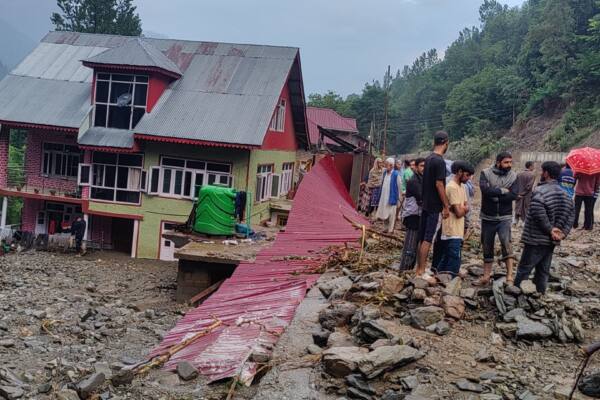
x=434, y=200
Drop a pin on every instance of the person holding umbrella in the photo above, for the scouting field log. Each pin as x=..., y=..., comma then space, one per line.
x=586, y=165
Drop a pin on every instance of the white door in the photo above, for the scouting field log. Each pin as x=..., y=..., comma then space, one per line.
x=167, y=247
x=40, y=223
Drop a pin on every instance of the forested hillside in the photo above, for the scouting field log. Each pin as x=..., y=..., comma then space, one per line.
x=540, y=59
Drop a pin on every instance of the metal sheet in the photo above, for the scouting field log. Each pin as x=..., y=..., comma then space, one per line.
x=259, y=300
x=44, y=101
x=227, y=93
x=109, y=137
x=329, y=119
x=136, y=52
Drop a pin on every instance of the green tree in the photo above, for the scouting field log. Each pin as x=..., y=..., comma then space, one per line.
x=333, y=101
x=117, y=17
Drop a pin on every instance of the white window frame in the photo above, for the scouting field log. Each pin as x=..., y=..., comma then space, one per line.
x=81, y=174
x=278, y=119
x=52, y=157
x=115, y=188
x=194, y=173
x=287, y=177
x=264, y=182
x=108, y=103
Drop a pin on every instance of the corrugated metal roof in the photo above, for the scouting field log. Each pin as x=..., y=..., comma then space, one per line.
x=109, y=137
x=259, y=300
x=44, y=101
x=329, y=119
x=227, y=93
x=135, y=52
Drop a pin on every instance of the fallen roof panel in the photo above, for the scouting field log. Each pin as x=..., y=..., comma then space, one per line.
x=259, y=300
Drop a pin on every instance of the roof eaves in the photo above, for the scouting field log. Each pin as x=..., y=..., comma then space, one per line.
x=131, y=68
x=195, y=142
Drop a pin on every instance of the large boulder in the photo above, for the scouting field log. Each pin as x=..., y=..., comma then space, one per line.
x=338, y=314
x=371, y=330
x=422, y=317
x=453, y=287
x=342, y=361
x=385, y=358
x=454, y=306
x=343, y=283
x=532, y=330
x=88, y=386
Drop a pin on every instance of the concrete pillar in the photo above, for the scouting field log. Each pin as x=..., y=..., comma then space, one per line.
x=4, y=211
x=134, y=241
x=86, y=218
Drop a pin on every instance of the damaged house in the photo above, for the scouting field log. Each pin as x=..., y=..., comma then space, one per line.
x=125, y=130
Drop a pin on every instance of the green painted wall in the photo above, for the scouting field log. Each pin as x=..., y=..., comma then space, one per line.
x=260, y=211
x=156, y=209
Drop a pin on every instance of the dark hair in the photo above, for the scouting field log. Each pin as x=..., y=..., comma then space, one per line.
x=462, y=166
x=407, y=162
x=419, y=160
x=528, y=164
x=502, y=155
x=552, y=168
x=440, y=137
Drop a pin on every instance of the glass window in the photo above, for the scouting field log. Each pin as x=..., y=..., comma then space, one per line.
x=116, y=177
x=182, y=178
x=60, y=160
x=120, y=100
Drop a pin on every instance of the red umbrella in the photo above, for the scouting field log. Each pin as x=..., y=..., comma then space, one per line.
x=585, y=160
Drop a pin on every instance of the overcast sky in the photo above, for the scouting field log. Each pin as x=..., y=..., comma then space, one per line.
x=343, y=43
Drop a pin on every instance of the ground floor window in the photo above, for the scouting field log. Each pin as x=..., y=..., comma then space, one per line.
x=264, y=182
x=182, y=178
x=114, y=177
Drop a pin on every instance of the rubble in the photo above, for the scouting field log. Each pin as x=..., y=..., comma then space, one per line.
x=186, y=371
x=387, y=357
x=67, y=320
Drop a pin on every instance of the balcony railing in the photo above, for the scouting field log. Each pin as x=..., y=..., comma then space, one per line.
x=17, y=182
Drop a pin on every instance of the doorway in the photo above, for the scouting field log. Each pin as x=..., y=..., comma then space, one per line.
x=122, y=234
x=167, y=246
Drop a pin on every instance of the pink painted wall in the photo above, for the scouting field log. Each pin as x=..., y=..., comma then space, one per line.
x=4, y=137
x=31, y=207
x=33, y=160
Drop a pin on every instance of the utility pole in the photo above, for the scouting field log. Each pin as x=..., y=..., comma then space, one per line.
x=386, y=88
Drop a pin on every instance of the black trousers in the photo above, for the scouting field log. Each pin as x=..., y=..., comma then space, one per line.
x=538, y=258
x=588, y=215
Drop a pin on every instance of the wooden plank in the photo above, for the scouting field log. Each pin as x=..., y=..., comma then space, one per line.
x=206, y=292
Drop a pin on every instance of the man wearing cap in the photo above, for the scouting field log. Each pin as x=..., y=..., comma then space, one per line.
x=390, y=195
x=435, y=203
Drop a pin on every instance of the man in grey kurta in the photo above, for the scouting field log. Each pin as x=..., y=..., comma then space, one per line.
x=525, y=182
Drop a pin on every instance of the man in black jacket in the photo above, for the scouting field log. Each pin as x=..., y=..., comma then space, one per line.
x=498, y=190
x=78, y=230
x=548, y=221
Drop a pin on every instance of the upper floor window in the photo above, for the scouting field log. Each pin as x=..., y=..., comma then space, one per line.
x=178, y=177
x=278, y=120
x=60, y=160
x=114, y=177
x=120, y=100
x=287, y=176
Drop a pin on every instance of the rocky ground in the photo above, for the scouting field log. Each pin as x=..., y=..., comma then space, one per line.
x=69, y=325
x=387, y=335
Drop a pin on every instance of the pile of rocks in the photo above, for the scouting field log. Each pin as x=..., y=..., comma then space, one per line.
x=526, y=315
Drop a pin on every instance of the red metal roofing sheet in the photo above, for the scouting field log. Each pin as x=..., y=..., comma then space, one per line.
x=327, y=118
x=259, y=300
